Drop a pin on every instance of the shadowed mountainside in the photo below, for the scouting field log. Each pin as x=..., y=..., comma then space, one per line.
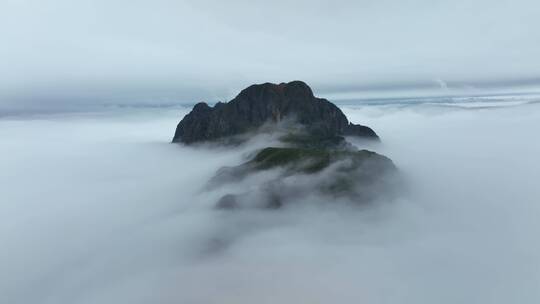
x=262, y=103
x=310, y=155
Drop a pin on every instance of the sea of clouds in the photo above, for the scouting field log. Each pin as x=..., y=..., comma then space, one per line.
x=99, y=207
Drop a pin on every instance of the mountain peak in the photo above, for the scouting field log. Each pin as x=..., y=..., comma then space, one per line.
x=261, y=103
x=293, y=89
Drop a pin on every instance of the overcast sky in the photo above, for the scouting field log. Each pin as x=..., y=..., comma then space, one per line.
x=163, y=51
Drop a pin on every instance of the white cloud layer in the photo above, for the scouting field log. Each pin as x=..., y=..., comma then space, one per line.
x=99, y=208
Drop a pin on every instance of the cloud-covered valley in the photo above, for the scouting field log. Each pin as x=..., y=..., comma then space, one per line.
x=100, y=208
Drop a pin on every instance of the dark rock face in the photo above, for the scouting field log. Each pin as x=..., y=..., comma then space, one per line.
x=262, y=103
x=307, y=157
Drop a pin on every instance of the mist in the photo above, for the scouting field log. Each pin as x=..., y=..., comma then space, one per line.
x=99, y=207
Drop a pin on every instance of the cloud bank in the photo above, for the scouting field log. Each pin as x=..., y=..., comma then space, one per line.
x=99, y=208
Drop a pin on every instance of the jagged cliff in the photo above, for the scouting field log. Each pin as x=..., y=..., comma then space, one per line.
x=262, y=103
x=310, y=156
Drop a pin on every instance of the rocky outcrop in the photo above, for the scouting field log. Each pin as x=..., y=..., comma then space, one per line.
x=358, y=175
x=263, y=103
x=307, y=157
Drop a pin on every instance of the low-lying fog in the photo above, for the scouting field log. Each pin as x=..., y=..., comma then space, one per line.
x=100, y=208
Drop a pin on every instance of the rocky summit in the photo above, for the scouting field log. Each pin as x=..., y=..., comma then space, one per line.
x=263, y=103
x=308, y=156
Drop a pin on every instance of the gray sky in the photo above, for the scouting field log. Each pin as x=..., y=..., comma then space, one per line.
x=162, y=51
